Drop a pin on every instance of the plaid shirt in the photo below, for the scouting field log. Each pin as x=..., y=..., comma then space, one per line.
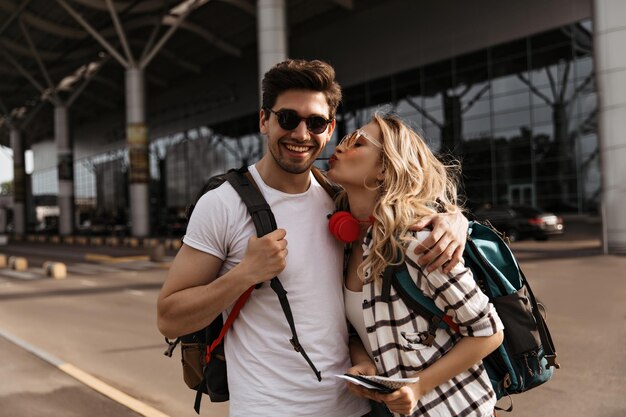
x=394, y=329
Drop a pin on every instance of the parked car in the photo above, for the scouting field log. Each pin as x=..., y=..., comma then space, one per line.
x=519, y=222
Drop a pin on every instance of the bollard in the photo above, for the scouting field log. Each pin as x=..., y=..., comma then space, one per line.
x=56, y=270
x=3, y=261
x=157, y=253
x=18, y=263
x=150, y=243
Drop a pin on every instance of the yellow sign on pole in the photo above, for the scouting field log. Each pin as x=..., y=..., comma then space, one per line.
x=139, y=162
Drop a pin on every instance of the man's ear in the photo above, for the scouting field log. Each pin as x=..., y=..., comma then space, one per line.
x=331, y=129
x=263, y=121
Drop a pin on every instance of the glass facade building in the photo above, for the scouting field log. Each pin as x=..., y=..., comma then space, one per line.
x=520, y=116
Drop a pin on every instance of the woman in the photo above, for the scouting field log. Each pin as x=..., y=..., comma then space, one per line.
x=390, y=177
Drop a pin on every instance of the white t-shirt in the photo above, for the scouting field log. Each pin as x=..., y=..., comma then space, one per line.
x=266, y=376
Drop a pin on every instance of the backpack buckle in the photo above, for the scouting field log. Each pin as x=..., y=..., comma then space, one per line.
x=171, y=346
x=296, y=345
x=551, y=361
x=429, y=340
x=432, y=331
x=506, y=382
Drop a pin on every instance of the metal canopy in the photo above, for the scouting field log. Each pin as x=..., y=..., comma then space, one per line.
x=72, y=49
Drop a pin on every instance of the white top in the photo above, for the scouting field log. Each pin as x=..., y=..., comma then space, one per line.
x=266, y=377
x=354, y=313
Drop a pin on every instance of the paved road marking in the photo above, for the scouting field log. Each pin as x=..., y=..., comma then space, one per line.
x=109, y=391
x=117, y=267
x=114, y=259
x=97, y=267
x=90, y=269
x=135, y=266
x=20, y=275
x=87, y=379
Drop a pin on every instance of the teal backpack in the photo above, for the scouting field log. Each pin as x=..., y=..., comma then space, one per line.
x=527, y=356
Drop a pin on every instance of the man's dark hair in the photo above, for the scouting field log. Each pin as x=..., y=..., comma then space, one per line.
x=299, y=74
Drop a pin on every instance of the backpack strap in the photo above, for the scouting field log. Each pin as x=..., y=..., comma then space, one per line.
x=229, y=322
x=264, y=222
x=261, y=213
x=544, y=333
x=331, y=188
x=414, y=298
x=207, y=357
x=277, y=286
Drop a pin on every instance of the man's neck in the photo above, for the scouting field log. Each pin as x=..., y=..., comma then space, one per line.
x=277, y=178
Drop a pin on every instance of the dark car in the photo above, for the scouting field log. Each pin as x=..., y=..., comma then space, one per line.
x=519, y=222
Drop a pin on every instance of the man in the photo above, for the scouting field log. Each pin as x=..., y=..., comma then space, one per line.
x=221, y=258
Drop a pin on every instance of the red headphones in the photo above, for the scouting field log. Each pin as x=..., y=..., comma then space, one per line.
x=344, y=226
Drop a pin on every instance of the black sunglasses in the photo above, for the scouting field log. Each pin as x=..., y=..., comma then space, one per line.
x=289, y=120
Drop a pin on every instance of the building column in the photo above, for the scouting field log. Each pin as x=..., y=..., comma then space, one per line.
x=3, y=224
x=138, y=156
x=19, y=184
x=271, y=34
x=65, y=165
x=609, y=34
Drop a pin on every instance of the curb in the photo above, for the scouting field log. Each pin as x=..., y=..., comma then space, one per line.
x=112, y=241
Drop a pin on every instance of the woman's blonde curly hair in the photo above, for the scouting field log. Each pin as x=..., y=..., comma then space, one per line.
x=416, y=184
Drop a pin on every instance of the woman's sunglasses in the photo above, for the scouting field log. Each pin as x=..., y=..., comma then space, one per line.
x=289, y=120
x=350, y=139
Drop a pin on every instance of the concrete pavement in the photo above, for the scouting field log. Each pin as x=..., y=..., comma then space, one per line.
x=50, y=392
x=585, y=296
x=583, y=290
